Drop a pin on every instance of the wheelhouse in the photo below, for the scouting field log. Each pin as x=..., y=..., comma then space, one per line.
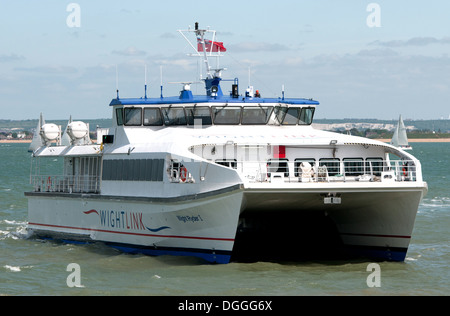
x=171, y=115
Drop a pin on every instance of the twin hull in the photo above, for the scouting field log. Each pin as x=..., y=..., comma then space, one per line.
x=250, y=224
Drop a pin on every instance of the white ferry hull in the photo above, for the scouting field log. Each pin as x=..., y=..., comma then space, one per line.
x=199, y=227
x=373, y=223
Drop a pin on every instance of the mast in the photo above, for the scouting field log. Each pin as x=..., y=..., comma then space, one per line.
x=213, y=76
x=402, y=135
x=201, y=33
x=400, y=138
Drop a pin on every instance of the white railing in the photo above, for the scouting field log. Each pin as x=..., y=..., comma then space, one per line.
x=66, y=184
x=328, y=171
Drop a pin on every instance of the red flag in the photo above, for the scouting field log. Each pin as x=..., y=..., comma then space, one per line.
x=210, y=46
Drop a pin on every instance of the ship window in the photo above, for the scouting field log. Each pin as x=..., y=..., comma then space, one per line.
x=227, y=115
x=332, y=164
x=256, y=115
x=279, y=113
x=152, y=117
x=298, y=163
x=353, y=166
x=278, y=166
x=199, y=113
x=119, y=116
x=133, y=116
x=288, y=116
x=374, y=166
x=133, y=170
x=306, y=116
x=231, y=163
x=174, y=116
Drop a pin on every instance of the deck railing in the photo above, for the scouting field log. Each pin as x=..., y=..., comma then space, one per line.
x=327, y=171
x=66, y=184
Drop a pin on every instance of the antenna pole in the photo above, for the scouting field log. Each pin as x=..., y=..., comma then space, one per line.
x=161, y=73
x=201, y=33
x=117, y=81
x=146, y=81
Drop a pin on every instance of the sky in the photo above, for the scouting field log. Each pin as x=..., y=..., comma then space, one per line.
x=359, y=59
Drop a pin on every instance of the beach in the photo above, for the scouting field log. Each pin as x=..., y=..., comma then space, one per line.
x=15, y=141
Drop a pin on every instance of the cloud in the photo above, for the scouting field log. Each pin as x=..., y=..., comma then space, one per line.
x=49, y=69
x=385, y=52
x=11, y=58
x=130, y=51
x=415, y=41
x=167, y=35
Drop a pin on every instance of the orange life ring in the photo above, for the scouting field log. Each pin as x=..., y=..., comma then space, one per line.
x=183, y=174
x=405, y=171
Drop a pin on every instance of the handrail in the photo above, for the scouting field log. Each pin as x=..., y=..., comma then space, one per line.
x=66, y=184
x=281, y=171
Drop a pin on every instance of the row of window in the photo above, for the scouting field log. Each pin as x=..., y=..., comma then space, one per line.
x=352, y=166
x=133, y=170
x=218, y=115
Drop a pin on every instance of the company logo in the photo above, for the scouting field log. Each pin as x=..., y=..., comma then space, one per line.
x=123, y=220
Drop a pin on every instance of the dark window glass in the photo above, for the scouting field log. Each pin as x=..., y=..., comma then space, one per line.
x=227, y=115
x=197, y=114
x=174, y=116
x=119, y=116
x=256, y=115
x=152, y=117
x=332, y=164
x=133, y=116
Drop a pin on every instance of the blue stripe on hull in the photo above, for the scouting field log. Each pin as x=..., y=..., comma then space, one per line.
x=378, y=253
x=212, y=256
x=221, y=257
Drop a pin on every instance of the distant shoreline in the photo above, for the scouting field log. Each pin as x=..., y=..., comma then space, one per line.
x=414, y=140
x=421, y=140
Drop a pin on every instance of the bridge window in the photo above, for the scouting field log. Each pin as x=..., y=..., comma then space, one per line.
x=152, y=117
x=306, y=116
x=174, y=116
x=133, y=116
x=119, y=116
x=202, y=113
x=227, y=115
x=256, y=115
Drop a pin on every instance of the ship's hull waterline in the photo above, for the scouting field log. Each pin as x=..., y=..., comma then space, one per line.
x=238, y=224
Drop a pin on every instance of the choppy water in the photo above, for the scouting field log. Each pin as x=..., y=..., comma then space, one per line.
x=31, y=267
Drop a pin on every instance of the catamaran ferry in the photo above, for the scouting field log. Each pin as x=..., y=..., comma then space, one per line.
x=223, y=176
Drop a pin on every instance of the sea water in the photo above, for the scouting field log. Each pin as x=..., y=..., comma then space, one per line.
x=36, y=267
